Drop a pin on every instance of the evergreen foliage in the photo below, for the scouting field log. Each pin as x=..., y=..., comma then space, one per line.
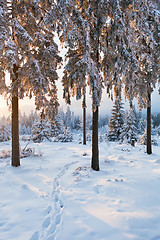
x=158, y=130
x=5, y=132
x=66, y=136
x=156, y=120
x=143, y=73
x=129, y=130
x=77, y=123
x=141, y=126
x=143, y=139
x=28, y=52
x=27, y=43
x=27, y=122
x=57, y=127
x=41, y=130
x=117, y=120
x=68, y=118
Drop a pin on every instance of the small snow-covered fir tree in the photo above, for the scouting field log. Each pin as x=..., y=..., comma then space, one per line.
x=24, y=130
x=141, y=126
x=143, y=139
x=41, y=130
x=129, y=130
x=68, y=118
x=5, y=133
x=57, y=126
x=117, y=120
x=66, y=136
x=77, y=123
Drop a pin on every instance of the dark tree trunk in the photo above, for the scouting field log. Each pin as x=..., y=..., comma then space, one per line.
x=15, y=121
x=84, y=119
x=95, y=151
x=149, y=146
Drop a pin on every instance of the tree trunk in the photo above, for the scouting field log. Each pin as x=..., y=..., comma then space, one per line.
x=95, y=152
x=15, y=121
x=133, y=142
x=84, y=119
x=149, y=146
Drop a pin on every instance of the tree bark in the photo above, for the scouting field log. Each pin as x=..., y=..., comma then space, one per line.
x=15, y=121
x=84, y=119
x=95, y=151
x=149, y=146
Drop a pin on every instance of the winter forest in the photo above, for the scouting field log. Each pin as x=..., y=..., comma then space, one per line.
x=88, y=176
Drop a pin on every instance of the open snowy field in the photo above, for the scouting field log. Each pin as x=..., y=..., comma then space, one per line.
x=57, y=196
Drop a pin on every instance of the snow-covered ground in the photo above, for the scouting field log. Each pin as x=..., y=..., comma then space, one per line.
x=57, y=196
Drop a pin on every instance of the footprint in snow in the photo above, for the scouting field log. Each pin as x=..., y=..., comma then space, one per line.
x=35, y=236
x=98, y=188
x=46, y=222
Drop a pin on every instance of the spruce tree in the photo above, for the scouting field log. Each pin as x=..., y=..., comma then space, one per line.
x=117, y=120
x=144, y=44
x=30, y=55
x=141, y=126
x=129, y=130
x=57, y=126
x=99, y=37
x=143, y=139
x=41, y=130
x=83, y=27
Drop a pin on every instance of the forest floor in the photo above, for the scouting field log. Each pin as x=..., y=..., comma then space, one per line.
x=57, y=196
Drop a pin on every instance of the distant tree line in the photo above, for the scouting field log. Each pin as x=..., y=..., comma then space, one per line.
x=120, y=126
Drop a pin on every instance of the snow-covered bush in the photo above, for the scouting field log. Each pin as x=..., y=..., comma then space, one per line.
x=66, y=136
x=41, y=131
x=26, y=152
x=143, y=139
x=158, y=130
x=5, y=154
x=29, y=152
x=4, y=133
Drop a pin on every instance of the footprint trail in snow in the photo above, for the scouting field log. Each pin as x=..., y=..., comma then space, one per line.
x=53, y=219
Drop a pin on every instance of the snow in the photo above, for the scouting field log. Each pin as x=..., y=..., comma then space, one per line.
x=57, y=196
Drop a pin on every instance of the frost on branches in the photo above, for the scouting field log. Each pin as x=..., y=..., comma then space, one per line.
x=27, y=43
x=129, y=130
x=117, y=120
x=5, y=132
x=144, y=20
x=41, y=131
x=66, y=136
x=57, y=126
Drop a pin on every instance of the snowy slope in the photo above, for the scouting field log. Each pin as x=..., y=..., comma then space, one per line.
x=58, y=197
